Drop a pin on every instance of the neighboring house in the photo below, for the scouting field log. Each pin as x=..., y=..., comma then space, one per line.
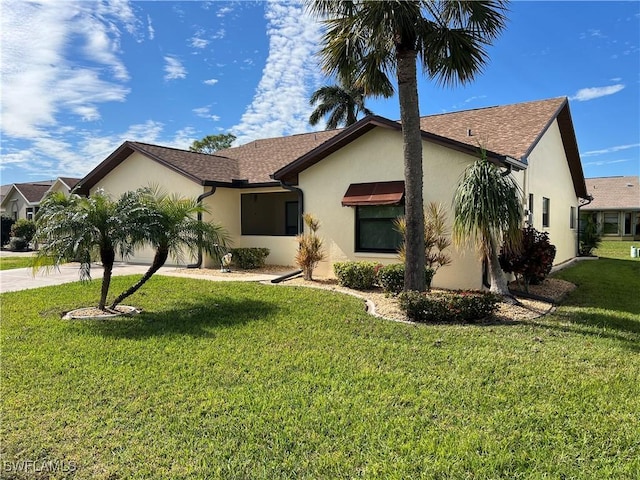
x=615, y=206
x=22, y=200
x=352, y=180
x=63, y=184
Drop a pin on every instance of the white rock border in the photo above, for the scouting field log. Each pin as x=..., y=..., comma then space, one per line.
x=78, y=315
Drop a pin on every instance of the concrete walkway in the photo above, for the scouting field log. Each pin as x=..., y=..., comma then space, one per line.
x=24, y=279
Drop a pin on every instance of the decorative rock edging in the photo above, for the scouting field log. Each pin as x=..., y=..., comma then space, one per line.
x=93, y=313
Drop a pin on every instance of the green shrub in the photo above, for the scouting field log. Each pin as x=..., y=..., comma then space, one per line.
x=18, y=244
x=24, y=228
x=454, y=306
x=249, y=258
x=356, y=275
x=391, y=277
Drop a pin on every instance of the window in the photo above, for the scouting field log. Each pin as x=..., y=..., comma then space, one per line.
x=627, y=223
x=29, y=213
x=546, y=204
x=572, y=218
x=610, y=223
x=375, y=231
x=530, y=203
x=273, y=214
x=291, y=218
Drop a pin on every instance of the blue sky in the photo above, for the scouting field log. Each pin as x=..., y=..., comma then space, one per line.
x=79, y=78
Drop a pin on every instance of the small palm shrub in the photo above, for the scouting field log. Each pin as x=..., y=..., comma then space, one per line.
x=532, y=260
x=249, y=258
x=310, y=251
x=450, y=306
x=391, y=277
x=590, y=237
x=437, y=238
x=356, y=275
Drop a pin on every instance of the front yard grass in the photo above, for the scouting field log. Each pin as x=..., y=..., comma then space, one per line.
x=617, y=249
x=237, y=380
x=9, y=263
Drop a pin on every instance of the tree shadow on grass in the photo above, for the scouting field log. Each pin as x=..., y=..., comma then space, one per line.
x=198, y=319
x=613, y=326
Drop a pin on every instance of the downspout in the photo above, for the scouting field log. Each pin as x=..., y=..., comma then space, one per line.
x=588, y=199
x=198, y=263
x=291, y=188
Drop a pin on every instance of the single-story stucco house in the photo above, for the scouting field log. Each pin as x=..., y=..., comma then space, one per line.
x=352, y=180
x=22, y=200
x=615, y=206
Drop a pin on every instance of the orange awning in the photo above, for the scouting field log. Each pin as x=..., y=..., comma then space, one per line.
x=377, y=193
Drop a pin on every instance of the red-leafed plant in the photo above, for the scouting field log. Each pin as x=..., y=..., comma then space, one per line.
x=532, y=261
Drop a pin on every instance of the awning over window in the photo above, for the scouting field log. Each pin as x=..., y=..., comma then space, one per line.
x=378, y=193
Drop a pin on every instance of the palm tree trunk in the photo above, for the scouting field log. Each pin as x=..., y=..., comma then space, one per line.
x=412, y=145
x=107, y=257
x=497, y=278
x=159, y=260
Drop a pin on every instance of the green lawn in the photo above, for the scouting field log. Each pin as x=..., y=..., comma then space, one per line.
x=621, y=250
x=8, y=263
x=233, y=380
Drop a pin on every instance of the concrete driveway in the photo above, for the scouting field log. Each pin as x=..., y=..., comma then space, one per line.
x=24, y=279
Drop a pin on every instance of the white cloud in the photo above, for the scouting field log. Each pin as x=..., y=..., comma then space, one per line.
x=211, y=81
x=174, y=68
x=280, y=104
x=223, y=11
x=36, y=68
x=603, y=162
x=606, y=151
x=150, y=29
x=585, y=94
x=205, y=112
x=197, y=41
x=49, y=156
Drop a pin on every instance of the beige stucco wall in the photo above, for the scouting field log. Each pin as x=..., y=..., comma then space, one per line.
x=375, y=157
x=140, y=171
x=548, y=175
x=15, y=202
x=59, y=186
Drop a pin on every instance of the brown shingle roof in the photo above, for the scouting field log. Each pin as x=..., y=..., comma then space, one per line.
x=258, y=160
x=199, y=166
x=511, y=130
x=614, y=193
x=70, y=181
x=506, y=131
x=33, y=192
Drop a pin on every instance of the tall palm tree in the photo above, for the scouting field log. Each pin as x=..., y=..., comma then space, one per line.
x=77, y=228
x=367, y=40
x=343, y=103
x=488, y=211
x=168, y=224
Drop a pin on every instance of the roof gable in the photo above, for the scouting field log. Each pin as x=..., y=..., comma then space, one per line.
x=201, y=168
x=31, y=192
x=512, y=130
x=507, y=133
